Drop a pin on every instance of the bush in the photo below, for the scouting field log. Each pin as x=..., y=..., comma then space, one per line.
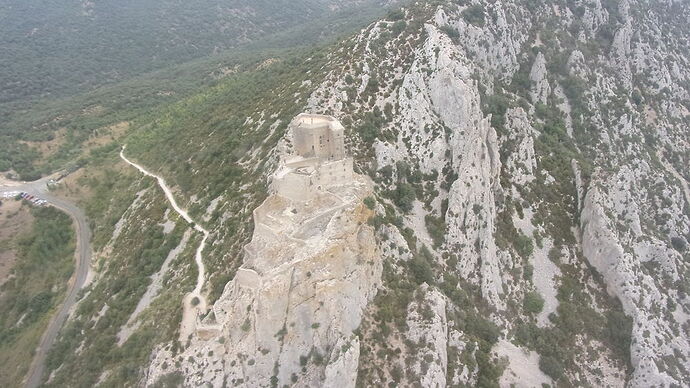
x=372, y=122
x=404, y=196
x=175, y=379
x=317, y=357
x=398, y=27
x=451, y=32
x=533, y=303
x=619, y=330
x=483, y=328
x=524, y=246
x=395, y=15
x=528, y=271
x=497, y=105
x=474, y=15
x=370, y=202
x=436, y=227
x=421, y=269
x=552, y=367
x=678, y=244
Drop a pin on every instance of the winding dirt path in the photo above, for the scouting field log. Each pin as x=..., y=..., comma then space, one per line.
x=191, y=309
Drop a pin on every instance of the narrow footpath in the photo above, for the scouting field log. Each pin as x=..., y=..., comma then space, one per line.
x=193, y=302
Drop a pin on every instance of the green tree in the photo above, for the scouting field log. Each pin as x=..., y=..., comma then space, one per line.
x=533, y=303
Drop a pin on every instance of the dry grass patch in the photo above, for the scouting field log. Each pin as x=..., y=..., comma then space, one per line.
x=50, y=147
x=105, y=135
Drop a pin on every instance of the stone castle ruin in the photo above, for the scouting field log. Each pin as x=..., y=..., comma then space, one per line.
x=308, y=273
x=317, y=159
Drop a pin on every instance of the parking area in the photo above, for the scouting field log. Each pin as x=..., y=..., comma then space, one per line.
x=25, y=196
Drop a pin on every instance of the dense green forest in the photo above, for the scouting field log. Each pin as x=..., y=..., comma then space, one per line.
x=45, y=261
x=56, y=47
x=83, y=66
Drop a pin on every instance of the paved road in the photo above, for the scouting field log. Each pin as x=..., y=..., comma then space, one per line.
x=83, y=258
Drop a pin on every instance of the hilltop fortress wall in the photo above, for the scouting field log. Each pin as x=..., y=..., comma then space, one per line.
x=318, y=160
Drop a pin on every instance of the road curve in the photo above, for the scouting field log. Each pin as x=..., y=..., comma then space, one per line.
x=83, y=262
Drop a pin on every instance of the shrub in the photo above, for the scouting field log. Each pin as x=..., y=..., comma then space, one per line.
x=483, y=328
x=421, y=270
x=404, y=196
x=533, y=303
x=174, y=379
x=451, y=32
x=619, y=330
x=524, y=246
x=528, y=271
x=398, y=27
x=370, y=202
x=436, y=227
x=395, y=15
x=552, y=367
x=317, y=357
x=474, y=15
x=678, y=244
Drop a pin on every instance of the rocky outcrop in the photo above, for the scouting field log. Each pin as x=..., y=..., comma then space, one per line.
x=288, y=315
x=540, y=84
x=521, y=164
x=530, y=158
x=644, y=274
x=428, y=331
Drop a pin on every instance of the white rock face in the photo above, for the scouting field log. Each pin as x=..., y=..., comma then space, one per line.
x=655, y=333
x=454, y=98
x=521, y=164
x=540, y=84
x=341, y=371
x=439, y=122
x=621, y=181
x=428, y=327
x=523, y=367
x=288, y=315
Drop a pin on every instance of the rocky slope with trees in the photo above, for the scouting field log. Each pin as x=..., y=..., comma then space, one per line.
x=529, y=162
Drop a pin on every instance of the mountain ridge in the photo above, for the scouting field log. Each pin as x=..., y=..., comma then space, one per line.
x=521, y=205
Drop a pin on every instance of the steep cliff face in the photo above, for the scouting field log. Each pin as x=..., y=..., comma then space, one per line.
x=527, y=215
x=289, y=314
x=532, y=159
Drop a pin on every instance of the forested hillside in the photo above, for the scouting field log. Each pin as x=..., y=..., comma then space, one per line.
x=56, y=48
x=79, y=66
x=37, y=285
x=528, y=161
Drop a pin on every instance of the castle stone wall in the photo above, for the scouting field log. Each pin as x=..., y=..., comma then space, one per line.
x=318, y=160
x=335, y=173
x=295, y=186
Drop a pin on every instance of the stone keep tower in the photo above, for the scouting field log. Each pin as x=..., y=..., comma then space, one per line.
x=318, y=160
x=318, y=136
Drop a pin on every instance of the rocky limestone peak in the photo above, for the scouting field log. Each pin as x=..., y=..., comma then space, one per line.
x=288, y=315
